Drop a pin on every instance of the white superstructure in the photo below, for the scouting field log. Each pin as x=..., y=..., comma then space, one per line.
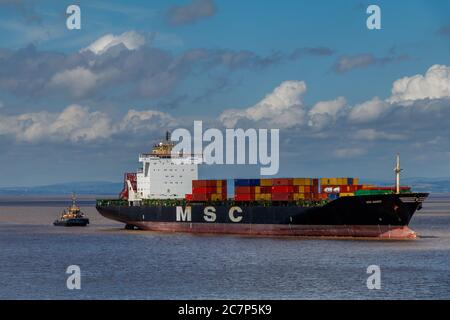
x=164, y=176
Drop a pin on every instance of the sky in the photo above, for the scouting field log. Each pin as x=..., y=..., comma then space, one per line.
x=80, y=105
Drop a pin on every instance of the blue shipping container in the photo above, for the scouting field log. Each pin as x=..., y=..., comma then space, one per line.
x=246, y=182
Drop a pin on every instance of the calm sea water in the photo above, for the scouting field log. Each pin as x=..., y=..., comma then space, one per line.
x=119, y=264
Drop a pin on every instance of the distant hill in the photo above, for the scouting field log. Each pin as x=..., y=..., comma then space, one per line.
x=80, y=188
x=434, y=185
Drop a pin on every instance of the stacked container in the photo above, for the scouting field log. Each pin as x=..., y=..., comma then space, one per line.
x=246, y=189
x=278, y=189
x=339, y=187
x=208, y=190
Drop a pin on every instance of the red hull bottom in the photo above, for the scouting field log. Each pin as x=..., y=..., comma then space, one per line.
x=356, y=231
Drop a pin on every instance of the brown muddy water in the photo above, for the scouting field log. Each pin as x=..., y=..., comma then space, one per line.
x=120, y=264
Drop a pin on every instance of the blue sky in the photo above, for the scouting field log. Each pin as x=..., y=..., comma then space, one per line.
x=66, y=110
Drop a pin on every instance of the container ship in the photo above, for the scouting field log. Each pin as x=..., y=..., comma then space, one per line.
x=166, y=195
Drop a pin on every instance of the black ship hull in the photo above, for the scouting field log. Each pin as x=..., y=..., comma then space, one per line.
x=74, y=222
x=381, y=216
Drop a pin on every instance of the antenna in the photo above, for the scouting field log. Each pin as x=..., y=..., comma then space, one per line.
x=397, y=171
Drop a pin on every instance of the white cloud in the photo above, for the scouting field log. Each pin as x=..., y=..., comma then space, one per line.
x=282, y=108
x=78, y=124
x=344, y=153
x=143, y=121
x=325, y=112
x=372, y=134
x=130, y=39
x=78, y=81
x=75, y=123
x=347, y=63
x=434, y=85
x=368, y=111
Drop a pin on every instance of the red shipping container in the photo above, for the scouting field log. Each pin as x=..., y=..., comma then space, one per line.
x=199, y=183
x=188, y=196
x=243, y=190
x=266, y=189
x=201, y=197
x=282, y=189
x=204, y=190
x=283, y=182
x=282, y=197
x=244, y=197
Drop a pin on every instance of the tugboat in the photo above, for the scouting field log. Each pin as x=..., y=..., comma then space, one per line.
x=72, y=216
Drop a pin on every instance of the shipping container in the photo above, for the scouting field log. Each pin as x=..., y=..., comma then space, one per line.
x=282, y=197
x=266, y=189
x=283, y=189
x=282, y=182
x=302, y=181
x=188, y=197
x=201, y=197
x=204, y=190
x=346, y=194
x=198, y=183
x=299, y=196
x=263, y=197
x=244, y=197
x=217, y=197
x=243, y=190
x=265, y=182
x=246, y=182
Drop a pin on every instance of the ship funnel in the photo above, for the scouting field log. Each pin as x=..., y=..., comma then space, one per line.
x=397, y=171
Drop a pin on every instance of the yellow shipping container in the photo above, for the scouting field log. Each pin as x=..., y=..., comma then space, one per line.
x=262, y=196
x=216, y=197
x=299, y=196
x=355, y=181
x=346, y=194
x=219, y=183
x=257, y=190
x=265, y=182
x=302, y=181
x=301, y=189
x=219, y=189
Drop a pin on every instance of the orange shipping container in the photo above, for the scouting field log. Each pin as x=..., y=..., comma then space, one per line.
x=283, y=189
x=265, y=182
x=283, y=181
